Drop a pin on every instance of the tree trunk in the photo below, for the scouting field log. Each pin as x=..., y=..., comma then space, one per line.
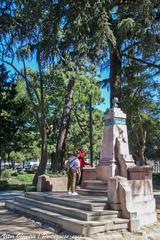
x=91, y=130
x=41, y=121
x=65, y=121
x=0, y=168
x=115, y=75
x=141, y=156
x=141, y=147
x=43, y=162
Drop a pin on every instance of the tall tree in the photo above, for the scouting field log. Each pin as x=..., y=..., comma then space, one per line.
x=10, y=113
x=140, y=102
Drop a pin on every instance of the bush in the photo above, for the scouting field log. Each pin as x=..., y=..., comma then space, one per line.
x=3, y=185
x=31, y=188
x=14, y=174
x=16, y=187
x=6, y=174
x=26, y=178
x=21, y=172
x=56, y=174
x=156, y=179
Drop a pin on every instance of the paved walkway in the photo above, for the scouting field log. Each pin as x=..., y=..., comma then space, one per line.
x=16, y=227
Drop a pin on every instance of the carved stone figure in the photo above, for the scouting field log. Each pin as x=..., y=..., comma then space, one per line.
x=121, y=157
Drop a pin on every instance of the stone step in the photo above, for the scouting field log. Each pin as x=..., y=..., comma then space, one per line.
x=92, y=192
x=84, y=228
x=95, y=184
x=88, y=204
x=158, y=214
x=158, y=203
x=69, y=211
x=158, y=211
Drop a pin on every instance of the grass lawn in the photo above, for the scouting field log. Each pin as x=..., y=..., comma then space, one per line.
x=25, y=179
x=14, y=180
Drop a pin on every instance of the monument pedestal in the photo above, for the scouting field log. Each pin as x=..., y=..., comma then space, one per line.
x=104, y=172
x=114, y=156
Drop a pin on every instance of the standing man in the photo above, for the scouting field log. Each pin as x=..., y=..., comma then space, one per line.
x=73, y=169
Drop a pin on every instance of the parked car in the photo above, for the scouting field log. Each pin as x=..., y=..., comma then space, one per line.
x=31, y=169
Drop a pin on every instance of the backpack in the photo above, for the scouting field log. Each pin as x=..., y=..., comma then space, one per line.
x=66, y=165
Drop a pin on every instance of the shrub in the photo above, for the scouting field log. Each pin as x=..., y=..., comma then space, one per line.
x=14, y=174
x=31, y=188
x=16, y=187
x=156, y=179
x=3, y=185
x=26, y=178
x=6, y=174
x=51, y=174
x=21, y=172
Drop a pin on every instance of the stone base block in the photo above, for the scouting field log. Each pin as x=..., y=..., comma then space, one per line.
x=141, y=187
x=113, y=189
x=142, y=207
x=104, y=172
x=44, y=184
x=89, y=173
x=48, y=184
x=140, y=172
x=148, y=219
x=133, y=225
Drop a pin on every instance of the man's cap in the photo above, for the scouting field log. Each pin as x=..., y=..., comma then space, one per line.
x=82, y=151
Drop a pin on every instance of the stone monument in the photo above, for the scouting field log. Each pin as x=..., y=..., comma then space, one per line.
x=130, y=187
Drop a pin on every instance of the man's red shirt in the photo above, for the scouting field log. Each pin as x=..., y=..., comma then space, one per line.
x=82, y=162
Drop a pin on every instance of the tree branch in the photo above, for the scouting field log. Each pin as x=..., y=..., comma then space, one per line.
x=130, y=46
x=79, y=124
x=30, y=95
x=27, y=85
x=142, y=61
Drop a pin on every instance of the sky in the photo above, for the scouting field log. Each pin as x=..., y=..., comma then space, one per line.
x=105, y=92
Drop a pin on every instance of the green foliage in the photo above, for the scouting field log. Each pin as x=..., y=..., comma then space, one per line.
x=3, y=185
x=25, y=179
x=156, y=180
x=30, y=188
x=17, y=156
x=126, y=25
x=54, y=175
x=14, y=174
x=6, y=175
x=141, y=104
x=11, y=113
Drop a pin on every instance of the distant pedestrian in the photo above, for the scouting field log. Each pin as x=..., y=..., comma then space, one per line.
x=73, y=168
x=80, y=156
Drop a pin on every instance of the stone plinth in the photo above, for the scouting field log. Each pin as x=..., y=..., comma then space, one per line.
x=50, y=184
x=134, y=197
x=104, y=172
x=140, y=172
x=89, y=173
